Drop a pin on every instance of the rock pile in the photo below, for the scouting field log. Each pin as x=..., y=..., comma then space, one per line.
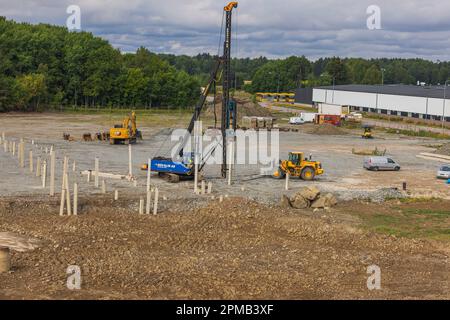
x=309, y=197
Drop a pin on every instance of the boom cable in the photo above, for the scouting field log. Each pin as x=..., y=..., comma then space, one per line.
x=164, y=142
x=220, y=36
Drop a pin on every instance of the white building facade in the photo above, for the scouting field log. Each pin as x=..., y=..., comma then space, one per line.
x=407, y=101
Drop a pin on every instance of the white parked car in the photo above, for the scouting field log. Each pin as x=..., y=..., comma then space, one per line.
x=354, y=116
x=308, y=117
x=304, y=117
x=444, y=172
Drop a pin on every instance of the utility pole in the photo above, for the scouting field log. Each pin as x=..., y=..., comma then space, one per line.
x=444, y=105
x=300, y=77
x=229, y=120
x=278, y=85
x=382, y=84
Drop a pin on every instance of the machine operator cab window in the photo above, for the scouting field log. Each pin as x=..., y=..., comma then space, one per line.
x=188, y=158
x=295, y=158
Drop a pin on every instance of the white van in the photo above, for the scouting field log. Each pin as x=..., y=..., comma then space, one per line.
x=381, y=163
x=304, y=117
x=308, y=117
x=296, y=120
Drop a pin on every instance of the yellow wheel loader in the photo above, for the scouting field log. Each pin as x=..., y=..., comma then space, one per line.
x=298, y=166
x=126, y=132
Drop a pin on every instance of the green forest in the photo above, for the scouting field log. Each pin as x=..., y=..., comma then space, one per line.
x=292, y=72
x=44, y=67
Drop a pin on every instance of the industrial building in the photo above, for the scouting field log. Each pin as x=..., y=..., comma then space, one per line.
x=420, y=102
x=304, y=96
x=285, y=97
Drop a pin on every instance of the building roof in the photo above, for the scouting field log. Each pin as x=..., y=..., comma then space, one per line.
x=400, y=90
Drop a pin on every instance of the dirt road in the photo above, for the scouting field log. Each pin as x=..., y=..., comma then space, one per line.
x=244, y=248
x=344, y=174
x=401, y=126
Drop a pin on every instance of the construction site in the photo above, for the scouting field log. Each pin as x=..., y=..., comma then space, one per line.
x=114, y=195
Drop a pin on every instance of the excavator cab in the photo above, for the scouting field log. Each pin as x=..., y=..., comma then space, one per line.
x=298, y=166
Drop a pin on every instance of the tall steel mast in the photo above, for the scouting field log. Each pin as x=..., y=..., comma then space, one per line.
x=228, y=106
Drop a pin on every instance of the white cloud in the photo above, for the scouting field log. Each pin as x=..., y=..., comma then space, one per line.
x=413, y=28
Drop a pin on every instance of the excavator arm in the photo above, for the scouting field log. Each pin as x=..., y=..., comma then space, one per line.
x=200, y=105
x=133, y=123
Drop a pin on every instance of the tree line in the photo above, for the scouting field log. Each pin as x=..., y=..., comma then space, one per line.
x=44, y=67
x=294, y=72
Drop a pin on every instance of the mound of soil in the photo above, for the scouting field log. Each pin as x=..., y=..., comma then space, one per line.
x=325, y=129
x=245, y=108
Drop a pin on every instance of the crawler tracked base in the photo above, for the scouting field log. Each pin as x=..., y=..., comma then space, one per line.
x=174, y=178
x=122, y=141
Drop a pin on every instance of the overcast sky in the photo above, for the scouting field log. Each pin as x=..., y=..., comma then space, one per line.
x=410, y=28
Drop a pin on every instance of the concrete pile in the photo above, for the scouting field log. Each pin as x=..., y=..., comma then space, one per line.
x=309, y=197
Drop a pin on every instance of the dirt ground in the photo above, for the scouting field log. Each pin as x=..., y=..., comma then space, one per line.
x=244, y=248
x=235, y=250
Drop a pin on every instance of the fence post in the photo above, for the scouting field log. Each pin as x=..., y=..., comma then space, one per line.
x=155, y=205
x=52, y=173
x=44, y=174
x=75, y=199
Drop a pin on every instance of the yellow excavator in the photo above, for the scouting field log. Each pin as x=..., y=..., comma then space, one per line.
x=127, y=132
x=298, y=166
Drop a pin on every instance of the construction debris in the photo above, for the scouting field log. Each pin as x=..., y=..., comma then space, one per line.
x=68, y=137
x=444, y=149
x=375, y=152
x=102, y=136
x=5, y=260
x=19, y=243
x=105, y=175
x=87, y=137
x=326, y=129
x=435, y=157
